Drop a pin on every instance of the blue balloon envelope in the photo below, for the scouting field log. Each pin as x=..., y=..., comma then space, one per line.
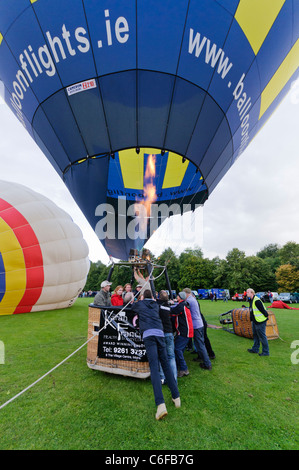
x=108, y=89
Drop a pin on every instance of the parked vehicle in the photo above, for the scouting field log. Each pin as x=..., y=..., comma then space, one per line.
x=227, y=293
x=287, y=297
x=220, y=293
x=237, y=297
x=260, y=295
x=266, y=298
x=203, y=293
x=174, y=294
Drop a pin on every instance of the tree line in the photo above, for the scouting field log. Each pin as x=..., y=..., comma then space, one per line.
x=273, y=268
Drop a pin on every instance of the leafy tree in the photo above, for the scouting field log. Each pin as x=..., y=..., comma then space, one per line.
x=260, y=275
x=195, y=271
x=189, y=253
x=168, y=258
x=269, y=251
x=287, y=278
x=95, y=273
x=265, y=271
x=236, y=278
x=220, y=274
x=289, y=254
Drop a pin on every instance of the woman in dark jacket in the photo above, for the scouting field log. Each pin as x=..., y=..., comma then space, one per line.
x=151, y=328
x=164, y=312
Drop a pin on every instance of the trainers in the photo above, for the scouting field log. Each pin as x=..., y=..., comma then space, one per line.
x=177, y=402
x=203, y=366
x=181, y=373
x=264, y=354
x=252, y=351
x=161, y=411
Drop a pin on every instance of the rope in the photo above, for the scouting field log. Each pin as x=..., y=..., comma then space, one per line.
x=62, y=362
x=157, y=277
x=45, y=375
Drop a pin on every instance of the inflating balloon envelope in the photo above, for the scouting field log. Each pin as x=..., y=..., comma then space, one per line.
x=43, y=256
x=109, y=88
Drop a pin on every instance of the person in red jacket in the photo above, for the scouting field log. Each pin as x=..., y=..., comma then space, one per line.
x=116, y=298
x=184, y=328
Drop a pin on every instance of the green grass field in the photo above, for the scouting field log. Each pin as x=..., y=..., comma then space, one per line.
x=245, y=402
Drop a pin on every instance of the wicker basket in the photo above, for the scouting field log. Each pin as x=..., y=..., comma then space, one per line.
x=271, y=327
x=134, y=368
x=242, y=324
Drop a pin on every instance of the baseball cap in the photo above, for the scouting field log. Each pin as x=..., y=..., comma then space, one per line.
x=106, y=283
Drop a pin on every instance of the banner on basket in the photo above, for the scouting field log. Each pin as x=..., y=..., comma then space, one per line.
x=119, y=338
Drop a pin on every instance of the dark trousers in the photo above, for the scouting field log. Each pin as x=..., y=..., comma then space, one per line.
x=207, y=341
x=180, y=344
x=199, y=343
x=156, y=353
x=260, y=337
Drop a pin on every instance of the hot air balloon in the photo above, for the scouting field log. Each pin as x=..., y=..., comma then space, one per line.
x=43, y=258
x=109, y=89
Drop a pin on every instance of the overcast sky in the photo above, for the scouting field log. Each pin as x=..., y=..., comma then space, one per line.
x=256, y=203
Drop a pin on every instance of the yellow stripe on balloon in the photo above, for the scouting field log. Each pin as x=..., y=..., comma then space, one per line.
x=175, y=171
x=256, y=18
x=15, y=269
x=283, y=74
x=132, y=168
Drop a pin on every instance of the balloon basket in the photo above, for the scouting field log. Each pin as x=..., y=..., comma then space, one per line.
x=242, y=323
x=237, y=321
x=271, y=327
x=115, y=345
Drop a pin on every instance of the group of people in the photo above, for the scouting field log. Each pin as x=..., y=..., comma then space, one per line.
x=167, y=327
x=121, y=295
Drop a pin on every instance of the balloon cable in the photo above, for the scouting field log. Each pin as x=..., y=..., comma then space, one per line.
x=45, y=375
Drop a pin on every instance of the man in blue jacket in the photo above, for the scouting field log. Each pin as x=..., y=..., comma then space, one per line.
x=151, y=328
x=198, y=328
x=184, y=329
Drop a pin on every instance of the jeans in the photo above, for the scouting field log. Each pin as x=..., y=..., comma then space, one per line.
x=199, y=343
x=169, y=341
x=259, y=336
x=156, y=351
x=179, y=347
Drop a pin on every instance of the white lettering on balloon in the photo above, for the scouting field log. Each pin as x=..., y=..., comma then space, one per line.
x=43, y=59
x=215, y=57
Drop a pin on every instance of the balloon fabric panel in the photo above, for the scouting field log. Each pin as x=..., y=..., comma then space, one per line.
x=30, y=259
x=44, y=259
